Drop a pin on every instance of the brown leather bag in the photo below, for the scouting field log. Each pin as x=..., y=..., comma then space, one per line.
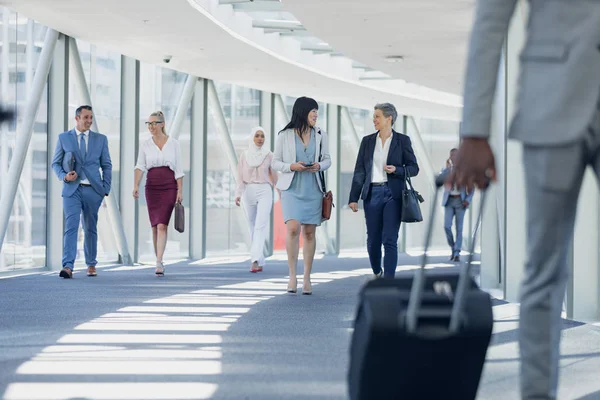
x=327, y=205
x=179, y=217
x=328, y=196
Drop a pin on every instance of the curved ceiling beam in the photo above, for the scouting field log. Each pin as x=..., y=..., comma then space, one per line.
x=215, y=42
x=421, y=41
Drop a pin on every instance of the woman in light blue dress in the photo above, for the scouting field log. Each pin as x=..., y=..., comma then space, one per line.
x=301, y=153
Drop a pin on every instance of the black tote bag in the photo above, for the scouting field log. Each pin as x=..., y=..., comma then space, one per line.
x=411, y=209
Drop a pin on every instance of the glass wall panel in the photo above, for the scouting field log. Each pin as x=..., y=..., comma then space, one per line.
x=25, y=240
x=439, y=137
x=160, y=89
x=102, y=70
x=352, y=225
x=227, y=228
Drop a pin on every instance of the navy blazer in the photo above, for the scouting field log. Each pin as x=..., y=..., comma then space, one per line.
x=401, y=156
x=97, y=158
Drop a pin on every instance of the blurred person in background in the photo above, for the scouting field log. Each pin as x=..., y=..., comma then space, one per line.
x=255, y=181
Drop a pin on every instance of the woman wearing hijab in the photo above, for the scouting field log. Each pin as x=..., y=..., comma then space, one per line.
x=301, y=151
x=255, y=181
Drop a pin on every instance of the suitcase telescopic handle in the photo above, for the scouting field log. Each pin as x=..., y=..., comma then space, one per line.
x=418, y=284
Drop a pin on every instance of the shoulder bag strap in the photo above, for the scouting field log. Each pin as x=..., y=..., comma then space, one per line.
x=321, y=173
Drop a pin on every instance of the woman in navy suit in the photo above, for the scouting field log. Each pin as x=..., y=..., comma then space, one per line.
x=384, y=160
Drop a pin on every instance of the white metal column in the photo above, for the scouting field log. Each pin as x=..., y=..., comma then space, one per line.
x=130, y=127
x=116, y=222
x=333, y=178
x=184, y=102
x=350, y=129
x=4, y=129
x=221, y=125
x=214, y=105
x=514, y=181
x=425, y=164
x=267, y=122
x=198, y=170
x=26, y=130
x=58, y=121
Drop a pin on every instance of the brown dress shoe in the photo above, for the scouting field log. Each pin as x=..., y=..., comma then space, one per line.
x=66, y=273
x=91, y=271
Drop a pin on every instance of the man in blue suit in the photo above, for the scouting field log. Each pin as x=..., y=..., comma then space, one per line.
x=455, y=201
x=384, y=160
x=78, y=158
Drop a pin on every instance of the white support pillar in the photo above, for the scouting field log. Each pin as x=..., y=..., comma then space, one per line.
x=184, y=102
x=198, y=168
x=4, y=129
x=214, y=105
x=26, y=182
x=26, y=130
x=114, y=215
x=585, y=285
x=350, y=129
x=513, y=182
x=130, y=107
x=221, y=125
x=425, y=164
x=5, y=97
x=280, y=109
x=332, y=178
x=58, y=121
x=403, y=227
x=493, y=222
x=267, y=121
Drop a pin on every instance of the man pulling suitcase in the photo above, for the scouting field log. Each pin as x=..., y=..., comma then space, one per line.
x=421, y=336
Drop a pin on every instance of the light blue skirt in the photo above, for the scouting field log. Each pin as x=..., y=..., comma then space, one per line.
x=303, y=200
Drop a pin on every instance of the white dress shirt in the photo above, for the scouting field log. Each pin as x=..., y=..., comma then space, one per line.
x=86, y=139
x=150, y=156
x=454, y=189
x=380, y=156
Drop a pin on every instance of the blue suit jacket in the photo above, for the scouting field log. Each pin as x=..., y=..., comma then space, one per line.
x=97, y=158
x=401, y=156
x=463, y=194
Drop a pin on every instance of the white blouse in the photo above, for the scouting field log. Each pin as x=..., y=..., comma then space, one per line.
x=380, y=156
x=150, y=156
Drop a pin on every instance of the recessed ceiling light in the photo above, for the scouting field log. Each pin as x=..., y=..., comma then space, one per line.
x=394, y=59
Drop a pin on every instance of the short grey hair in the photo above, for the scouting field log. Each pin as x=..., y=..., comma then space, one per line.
x=388, y=110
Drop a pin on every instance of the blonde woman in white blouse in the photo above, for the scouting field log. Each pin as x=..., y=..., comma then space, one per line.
x=160, y=156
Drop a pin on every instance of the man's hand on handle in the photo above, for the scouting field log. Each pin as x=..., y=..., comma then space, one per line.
x=71, y=176
x=475, y=164
x=353, y=206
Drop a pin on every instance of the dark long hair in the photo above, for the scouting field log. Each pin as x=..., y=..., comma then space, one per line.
x=302, y=107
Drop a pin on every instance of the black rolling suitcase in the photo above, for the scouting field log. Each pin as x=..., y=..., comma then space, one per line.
x=421, y=336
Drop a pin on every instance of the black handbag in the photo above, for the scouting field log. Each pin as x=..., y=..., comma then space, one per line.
x=411, y=209
x=179, y=217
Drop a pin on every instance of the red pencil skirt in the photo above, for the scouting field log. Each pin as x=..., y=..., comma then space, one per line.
x=161, y=194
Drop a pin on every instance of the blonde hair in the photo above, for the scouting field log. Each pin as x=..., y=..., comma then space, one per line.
x=161, y=118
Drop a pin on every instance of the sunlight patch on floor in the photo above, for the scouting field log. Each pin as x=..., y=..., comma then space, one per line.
x=177, y=335
x=110, y=390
